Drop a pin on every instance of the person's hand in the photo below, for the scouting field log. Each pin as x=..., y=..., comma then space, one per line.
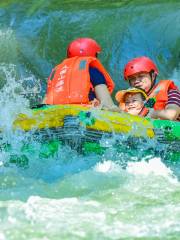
x=95, y=103
x=152, y=113
x=112, y=108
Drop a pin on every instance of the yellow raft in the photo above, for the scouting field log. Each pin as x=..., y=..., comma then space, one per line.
x=92, y=119
x=84, y=129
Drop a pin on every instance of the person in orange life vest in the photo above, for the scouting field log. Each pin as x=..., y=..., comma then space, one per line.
x=132, y=101
x=81, y=77
x=141, y=73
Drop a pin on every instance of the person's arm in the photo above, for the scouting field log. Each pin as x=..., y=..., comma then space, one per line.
x=171, y=112
x=101, y=91
x=103, y=95
x=172, y=109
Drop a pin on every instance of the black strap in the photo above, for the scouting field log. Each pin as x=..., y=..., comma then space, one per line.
x=39, y=106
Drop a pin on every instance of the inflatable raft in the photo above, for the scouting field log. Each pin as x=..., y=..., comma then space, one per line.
x=92, y=130
x=46, y=129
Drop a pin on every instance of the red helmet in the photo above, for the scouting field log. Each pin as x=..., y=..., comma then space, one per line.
x=83, y=47
x=140, y=64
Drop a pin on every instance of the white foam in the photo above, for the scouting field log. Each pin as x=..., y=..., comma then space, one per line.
x=153, y=166
x=106, y=166
x=2, y=236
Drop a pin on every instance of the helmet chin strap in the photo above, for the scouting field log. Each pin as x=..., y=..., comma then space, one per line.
x=153, y=81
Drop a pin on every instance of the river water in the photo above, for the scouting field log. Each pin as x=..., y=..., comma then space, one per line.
x=117, y=195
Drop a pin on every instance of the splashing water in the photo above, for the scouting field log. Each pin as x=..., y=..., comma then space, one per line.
x=153, y=166
x=121, y=194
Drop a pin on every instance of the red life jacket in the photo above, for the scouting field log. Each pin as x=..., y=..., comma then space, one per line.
x=69, y=82
x=160, y=92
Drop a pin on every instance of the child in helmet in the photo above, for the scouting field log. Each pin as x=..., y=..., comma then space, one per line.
x=132, y=101
x=141, y=73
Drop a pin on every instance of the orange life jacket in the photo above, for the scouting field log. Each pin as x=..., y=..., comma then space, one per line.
x=69, y=82
x=160, y=92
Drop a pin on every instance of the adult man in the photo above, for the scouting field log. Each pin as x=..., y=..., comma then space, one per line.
x=141, y=73
x=80, y=78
